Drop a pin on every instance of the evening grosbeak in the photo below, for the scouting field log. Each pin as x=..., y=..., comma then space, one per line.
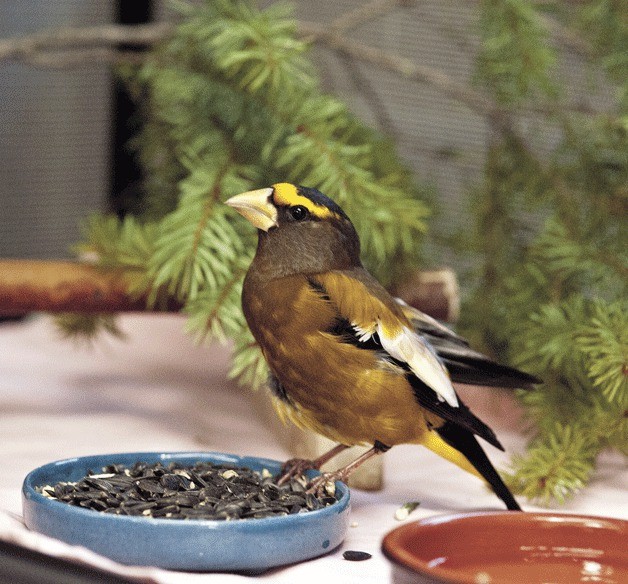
x=348, y=360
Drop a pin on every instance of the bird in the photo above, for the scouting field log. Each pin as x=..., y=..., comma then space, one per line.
x=346, y=358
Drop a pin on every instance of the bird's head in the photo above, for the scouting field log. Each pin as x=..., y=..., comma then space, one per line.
x=300, y=229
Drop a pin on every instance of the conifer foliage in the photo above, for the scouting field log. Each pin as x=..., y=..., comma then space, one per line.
x=231, y=102
x=550, y=291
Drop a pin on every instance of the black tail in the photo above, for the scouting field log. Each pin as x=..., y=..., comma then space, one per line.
x=466, y=443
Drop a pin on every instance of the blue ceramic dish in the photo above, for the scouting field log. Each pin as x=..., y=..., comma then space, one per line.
x=200, y=545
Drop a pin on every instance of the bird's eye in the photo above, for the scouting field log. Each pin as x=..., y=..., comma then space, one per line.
x=299, y=212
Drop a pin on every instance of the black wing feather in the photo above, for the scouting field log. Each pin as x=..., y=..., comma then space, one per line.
x=463, y=363
x=461, y=416
x=465, y=442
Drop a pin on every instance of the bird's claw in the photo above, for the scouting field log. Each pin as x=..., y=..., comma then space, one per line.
x=293, y=468
x=324, y=485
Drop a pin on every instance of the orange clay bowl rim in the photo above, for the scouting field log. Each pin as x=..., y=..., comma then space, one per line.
x=498, y=528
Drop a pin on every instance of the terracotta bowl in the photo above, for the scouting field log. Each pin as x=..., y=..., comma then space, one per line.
x=509, y=548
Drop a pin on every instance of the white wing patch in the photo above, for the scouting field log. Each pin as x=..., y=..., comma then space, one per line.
x=410, y=348
x=364, y=334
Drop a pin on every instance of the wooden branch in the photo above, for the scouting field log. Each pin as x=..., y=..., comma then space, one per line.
x=28, y=47
x=77, y=58
x=63, y=286
x=407, y=68
x=434, y=292
x=364, y=12
x=51, y=286
x=570, y=39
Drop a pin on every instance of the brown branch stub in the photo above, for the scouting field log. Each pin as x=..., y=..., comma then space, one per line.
x=434, y=292
x=31, y=285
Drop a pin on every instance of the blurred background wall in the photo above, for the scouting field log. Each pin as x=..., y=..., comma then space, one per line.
x=55, y=132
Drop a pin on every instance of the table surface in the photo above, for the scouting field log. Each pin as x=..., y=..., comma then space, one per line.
x=156, y=391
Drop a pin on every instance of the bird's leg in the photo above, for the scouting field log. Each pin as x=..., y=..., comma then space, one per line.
x=318, y=485
x=297, y=466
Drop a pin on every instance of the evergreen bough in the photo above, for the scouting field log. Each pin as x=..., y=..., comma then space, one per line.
x=549, y=294
x=230, y=102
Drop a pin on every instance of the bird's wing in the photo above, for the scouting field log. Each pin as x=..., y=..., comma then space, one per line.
x=374, y=316
x=464, y=364
x=429, y=326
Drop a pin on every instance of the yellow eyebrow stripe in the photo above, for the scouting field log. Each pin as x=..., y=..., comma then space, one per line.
x=288, y=195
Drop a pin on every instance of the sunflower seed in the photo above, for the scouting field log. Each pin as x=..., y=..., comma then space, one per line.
x=170, y=482
x=355, y=556
x=168, y=510
x=99, y=484
x=404, y=511
x=199, y=491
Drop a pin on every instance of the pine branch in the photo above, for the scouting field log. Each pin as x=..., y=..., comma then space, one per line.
x=565, y=36
x=555, y=467
x=550, y=295
x=215, y=314
x=604, y=343
x=562, y=250
x=513, y=28
x=29, y=48
x=249, y=366
x=361, y=14
x=84, y=328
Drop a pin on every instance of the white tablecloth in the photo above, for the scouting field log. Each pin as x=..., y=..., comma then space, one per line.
x=156, y=391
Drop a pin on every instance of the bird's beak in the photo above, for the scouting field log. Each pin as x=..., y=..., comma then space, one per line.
x=256, y=207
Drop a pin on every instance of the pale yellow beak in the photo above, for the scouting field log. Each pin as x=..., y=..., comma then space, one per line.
x=256, y=207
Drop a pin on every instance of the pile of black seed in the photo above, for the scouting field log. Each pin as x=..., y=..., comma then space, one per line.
x=201, y=491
